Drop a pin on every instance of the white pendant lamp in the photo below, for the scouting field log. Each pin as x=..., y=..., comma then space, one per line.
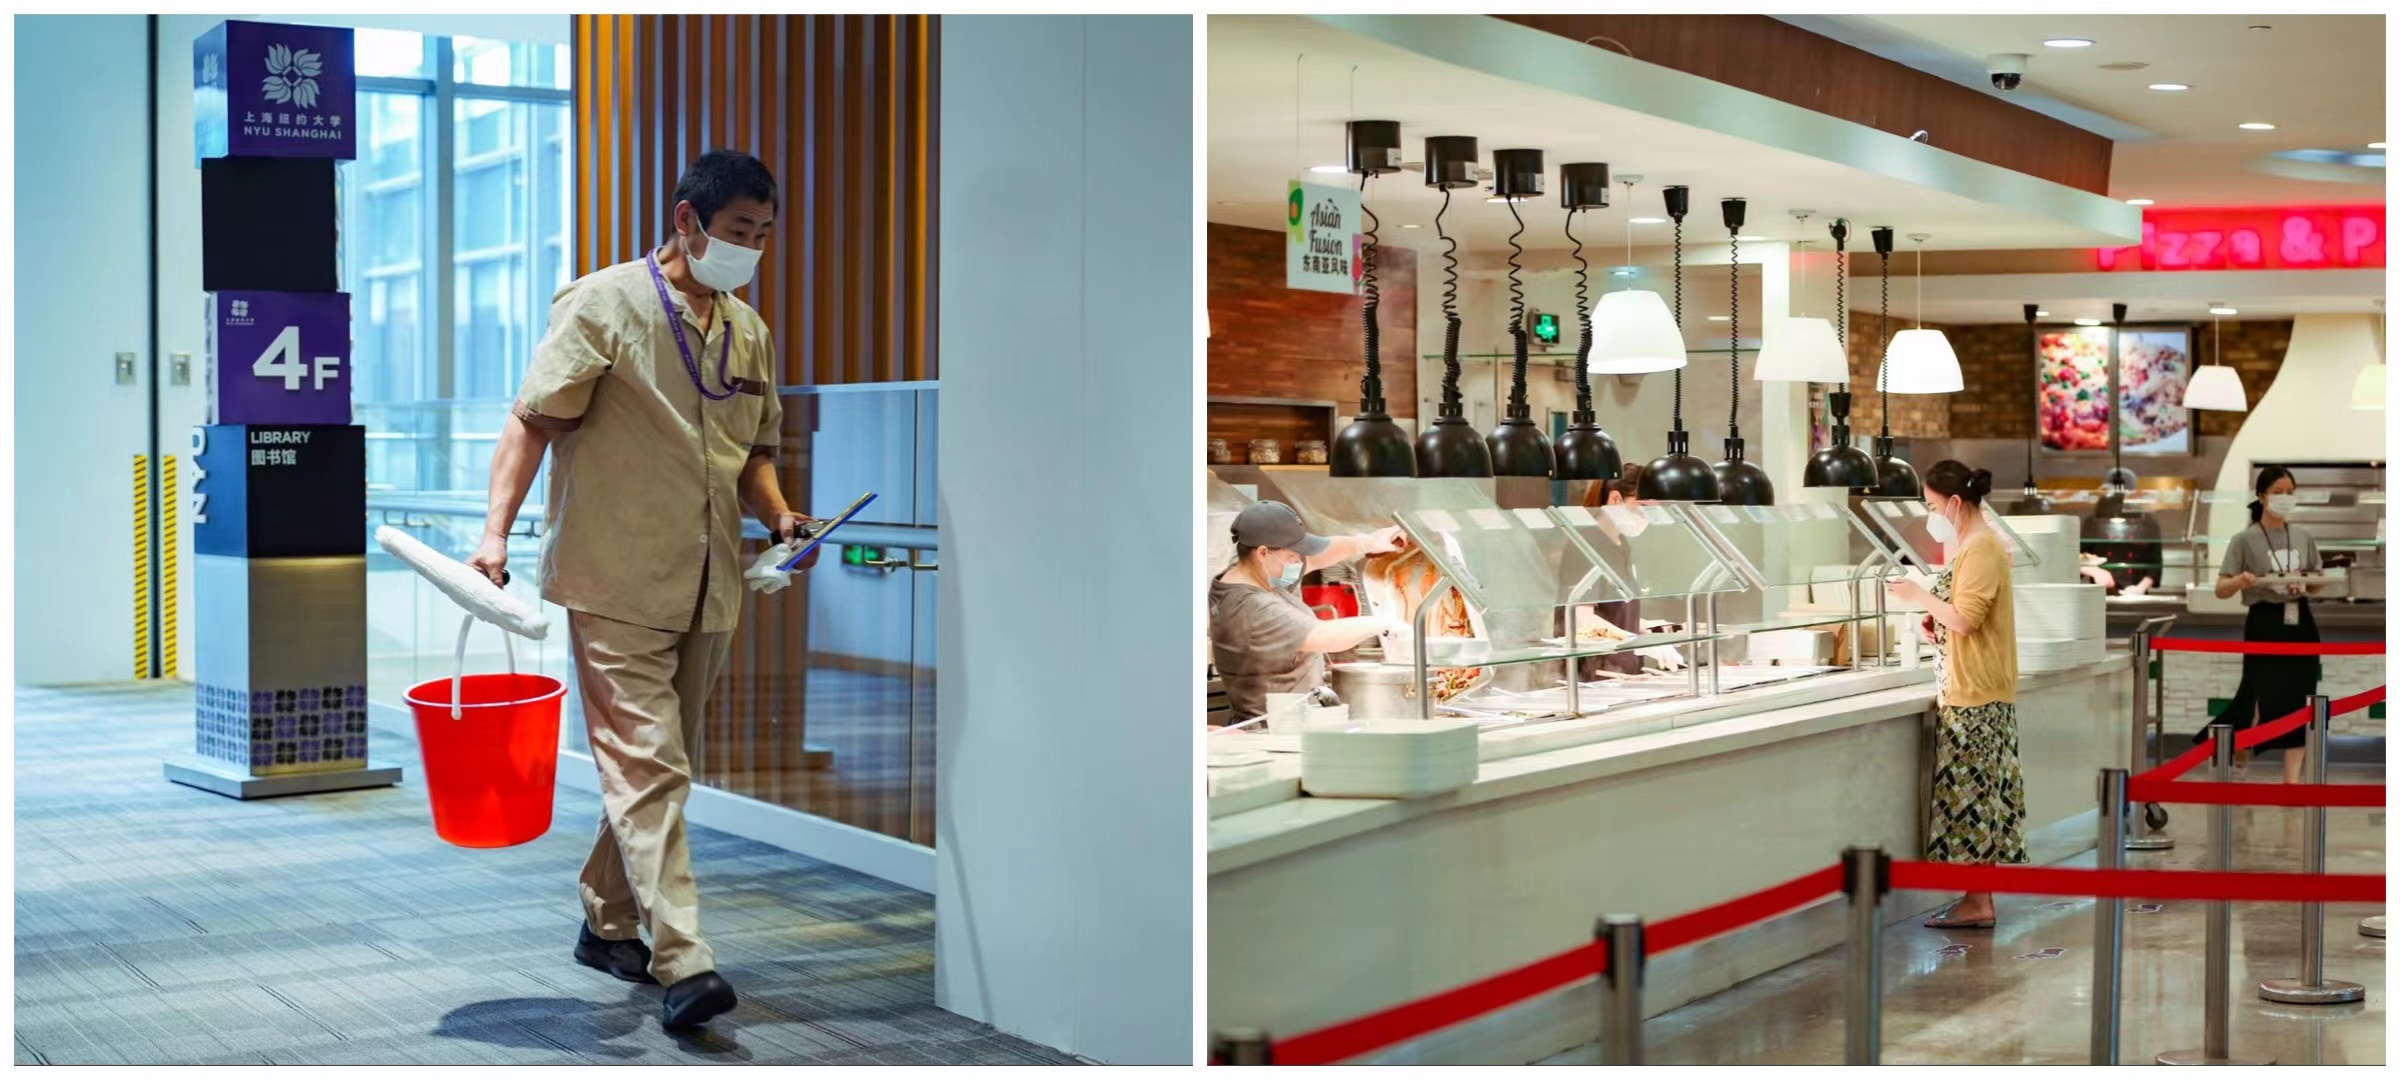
x=2216, y=386
x=1800, y=348
x=2367, y=392
x=1921, y=361
x=1633, y=333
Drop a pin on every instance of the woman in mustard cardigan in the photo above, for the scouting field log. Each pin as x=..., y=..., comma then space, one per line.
x=1978, y=789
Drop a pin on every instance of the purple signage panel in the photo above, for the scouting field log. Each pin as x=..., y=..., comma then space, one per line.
x=272, y=90
x=278, y=358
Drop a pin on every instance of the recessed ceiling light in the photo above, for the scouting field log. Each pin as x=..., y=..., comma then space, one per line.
x=2223, y=311
x=1720, y=318
x=2087, y=322
x=2041, y=314
x=1649, y=221
x=2068, y=43
x=1412, y=226
x=2141, y=202
x=1625, y=271
x=2169, y=87
x=2258, y=126
x=2374, y=146
x=1329, y=168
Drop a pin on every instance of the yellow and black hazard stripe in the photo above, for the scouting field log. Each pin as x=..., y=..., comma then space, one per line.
x=169, y=540
x=141, y=567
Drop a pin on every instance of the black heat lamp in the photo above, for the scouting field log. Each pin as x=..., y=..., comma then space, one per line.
x=1739, y=482
x=1840, y=464
x=1373, y=445
x=1519, y=448
x=1894, y=478
x=1677, y=476
x=1451, y=446
x=1585, y=450
x=2031, y=500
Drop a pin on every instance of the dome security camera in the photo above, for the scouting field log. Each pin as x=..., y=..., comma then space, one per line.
x=2007, y=70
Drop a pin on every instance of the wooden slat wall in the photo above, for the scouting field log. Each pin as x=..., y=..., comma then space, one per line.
x=843, y=109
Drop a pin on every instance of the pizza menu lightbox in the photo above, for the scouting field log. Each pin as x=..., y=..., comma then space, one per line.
x=2289, y=238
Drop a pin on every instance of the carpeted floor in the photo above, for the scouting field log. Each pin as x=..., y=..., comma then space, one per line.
x=161, y=924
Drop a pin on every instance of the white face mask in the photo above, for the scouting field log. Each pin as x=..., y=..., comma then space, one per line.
x=2282, y=505
x=724, y=266
x=1938, y=524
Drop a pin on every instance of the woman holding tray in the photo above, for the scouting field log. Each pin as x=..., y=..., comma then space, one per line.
x=2272, y=547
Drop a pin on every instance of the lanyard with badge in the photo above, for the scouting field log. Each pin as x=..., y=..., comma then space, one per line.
x=2286, y=566
x=684, y=346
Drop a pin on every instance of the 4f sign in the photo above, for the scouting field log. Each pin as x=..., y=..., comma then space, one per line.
x=279, y=358
x=1321, y=238
x=282, y=361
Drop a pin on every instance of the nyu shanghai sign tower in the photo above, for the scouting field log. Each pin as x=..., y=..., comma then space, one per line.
x=279, y=508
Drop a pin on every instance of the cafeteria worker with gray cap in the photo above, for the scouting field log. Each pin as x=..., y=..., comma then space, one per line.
x=1263, y=637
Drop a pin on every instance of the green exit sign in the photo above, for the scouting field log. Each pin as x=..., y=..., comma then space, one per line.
x=1545, y=328
x=860, y=555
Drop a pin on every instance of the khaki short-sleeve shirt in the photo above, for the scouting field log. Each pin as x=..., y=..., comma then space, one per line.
x=644, y=500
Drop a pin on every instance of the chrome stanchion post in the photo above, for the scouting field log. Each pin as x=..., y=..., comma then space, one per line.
x=2108, y=925
x=1621, y=996
x=1866, y=878
x=2137, y=836
x=1241, y=1046
x=2311, y=988
x=2216, y=1047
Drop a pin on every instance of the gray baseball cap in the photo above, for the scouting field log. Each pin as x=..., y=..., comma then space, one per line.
x=1274, y=525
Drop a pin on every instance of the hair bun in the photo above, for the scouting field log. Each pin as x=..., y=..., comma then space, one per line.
x=1980, y=483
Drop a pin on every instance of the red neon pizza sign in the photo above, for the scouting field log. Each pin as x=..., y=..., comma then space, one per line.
x=2301, y=238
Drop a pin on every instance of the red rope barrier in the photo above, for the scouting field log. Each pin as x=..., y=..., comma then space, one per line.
x=2202, y=793
x=2139, y=884
x=1375, y=1031
x=2252, y=736
x=2269, y=648
x=1708, y=922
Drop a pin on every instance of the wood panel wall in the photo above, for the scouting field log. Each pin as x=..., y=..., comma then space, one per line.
x=1776, y=59
x=841, y=108
x=844, y=110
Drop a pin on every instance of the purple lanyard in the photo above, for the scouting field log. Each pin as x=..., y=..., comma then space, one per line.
x=684, y=346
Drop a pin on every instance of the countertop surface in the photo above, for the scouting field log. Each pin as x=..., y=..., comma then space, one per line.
x=1255, y=835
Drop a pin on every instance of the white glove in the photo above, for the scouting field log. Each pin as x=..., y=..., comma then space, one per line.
x=763, y=576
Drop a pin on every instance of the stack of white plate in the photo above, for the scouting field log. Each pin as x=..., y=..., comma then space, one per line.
x=1394, y=759
x=2060, y=626
x=2057, y=541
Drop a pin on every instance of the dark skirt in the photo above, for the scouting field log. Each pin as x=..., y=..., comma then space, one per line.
x=2274, y=687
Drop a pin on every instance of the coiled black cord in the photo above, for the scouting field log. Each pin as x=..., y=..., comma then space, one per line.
x=1583, y=321
x=1679, y=318
x=1733, y=420
x=1450, y=320
x=1372, y=388
x=1883, y=319
x=1516, y=316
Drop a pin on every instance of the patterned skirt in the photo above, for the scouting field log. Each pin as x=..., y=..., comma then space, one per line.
x=1978, y=790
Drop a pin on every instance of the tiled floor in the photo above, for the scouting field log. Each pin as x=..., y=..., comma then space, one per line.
x=1983, y=998
x=161, y=924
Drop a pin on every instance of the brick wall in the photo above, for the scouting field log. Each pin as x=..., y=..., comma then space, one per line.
x=1997, y=364
x=1266, y=340
x=1919, y=415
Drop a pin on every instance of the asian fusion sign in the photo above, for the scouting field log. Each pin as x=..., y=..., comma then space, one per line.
x=2294, y=238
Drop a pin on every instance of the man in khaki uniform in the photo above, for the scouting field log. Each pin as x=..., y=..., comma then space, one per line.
x=656, y=387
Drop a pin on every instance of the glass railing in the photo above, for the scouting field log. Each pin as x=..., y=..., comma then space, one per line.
x=827, y=702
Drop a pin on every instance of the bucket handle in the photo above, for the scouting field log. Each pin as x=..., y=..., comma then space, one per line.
x=458, y=673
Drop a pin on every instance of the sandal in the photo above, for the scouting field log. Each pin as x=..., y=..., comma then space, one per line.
x=1941, y=920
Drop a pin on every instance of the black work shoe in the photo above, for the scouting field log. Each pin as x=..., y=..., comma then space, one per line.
x=628, y=959
x=696, y=1000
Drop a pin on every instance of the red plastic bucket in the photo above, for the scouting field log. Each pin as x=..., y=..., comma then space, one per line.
x=491, y=772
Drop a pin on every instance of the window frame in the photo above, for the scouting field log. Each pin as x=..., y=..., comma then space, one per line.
x=437, y=151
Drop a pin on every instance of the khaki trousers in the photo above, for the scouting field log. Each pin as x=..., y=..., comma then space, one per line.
x=644, y=693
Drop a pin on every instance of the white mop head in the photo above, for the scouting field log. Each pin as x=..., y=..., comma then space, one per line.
x=470, y=590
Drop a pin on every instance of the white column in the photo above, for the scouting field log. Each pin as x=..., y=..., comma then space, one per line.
x=1069, y=585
